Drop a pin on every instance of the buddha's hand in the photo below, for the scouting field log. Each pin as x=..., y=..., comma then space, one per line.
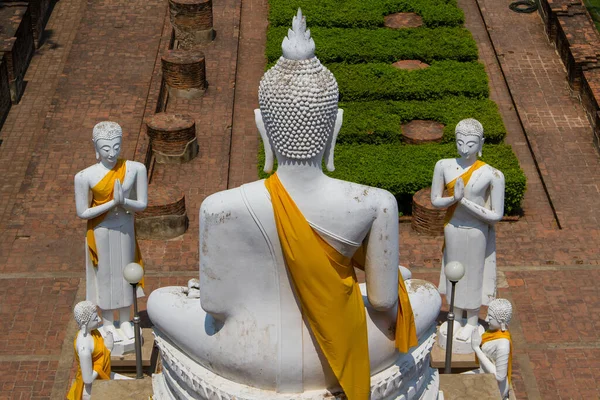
x=118, y=193
x=459, y=190
x=475, y=339
x=109, y=340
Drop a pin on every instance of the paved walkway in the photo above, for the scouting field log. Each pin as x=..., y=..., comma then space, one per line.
x=89, y=70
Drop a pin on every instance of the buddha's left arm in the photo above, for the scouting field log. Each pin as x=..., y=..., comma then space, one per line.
x=496, y=210
x=141, y=189
x=381, y=250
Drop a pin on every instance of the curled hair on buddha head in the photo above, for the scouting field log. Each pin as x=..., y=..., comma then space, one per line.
x=106, y=130
x=502, y=311
x=83, y=312
x=470, y=127
x=298, y=97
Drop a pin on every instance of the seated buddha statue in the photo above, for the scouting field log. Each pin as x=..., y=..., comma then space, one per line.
x=277, y=311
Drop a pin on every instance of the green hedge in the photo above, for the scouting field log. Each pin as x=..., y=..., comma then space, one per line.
x=363, y=13
x=377, y=122
x=385, y=82
x=403, y=170
x=382, y=45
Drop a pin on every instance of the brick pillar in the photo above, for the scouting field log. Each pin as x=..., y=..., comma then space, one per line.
x=192, y=21
x=165, y=217
x=184, y=73
x=172, y=137
x=427, y=219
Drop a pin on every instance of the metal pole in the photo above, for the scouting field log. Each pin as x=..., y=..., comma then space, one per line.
x=450, y=333
x=138, y=339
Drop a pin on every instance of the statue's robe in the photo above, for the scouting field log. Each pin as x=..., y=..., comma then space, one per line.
x=110, y=246
x=100, y=364
x=330, y=298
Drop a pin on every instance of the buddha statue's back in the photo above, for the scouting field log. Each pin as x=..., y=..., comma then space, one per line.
x=244, y=335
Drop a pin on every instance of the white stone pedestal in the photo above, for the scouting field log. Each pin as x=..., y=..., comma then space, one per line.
x=181, y=378
x=458, y=346
x=123, y=344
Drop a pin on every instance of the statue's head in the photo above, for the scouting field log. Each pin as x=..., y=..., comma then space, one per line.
x=107, y=136
x=469, y=138
x=499, y=314
x=86, y=316
x=298, y=97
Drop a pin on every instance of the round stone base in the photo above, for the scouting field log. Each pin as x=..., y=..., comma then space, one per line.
x=165, y=217
x=426, y=219
x=458, y=346
x=410, y=65
x=181, y=378
x=422, y=131
x=403, y=20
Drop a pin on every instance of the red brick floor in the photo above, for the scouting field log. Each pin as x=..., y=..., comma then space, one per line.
x=102, y=62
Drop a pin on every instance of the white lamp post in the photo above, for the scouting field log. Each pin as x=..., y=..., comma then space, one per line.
x=454, y=272
x=133, y=273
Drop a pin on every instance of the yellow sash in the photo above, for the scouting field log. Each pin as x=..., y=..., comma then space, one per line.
x=330, y=296
x=100, y=364
x=488, y=336
x=450, y=187
x=103, y=193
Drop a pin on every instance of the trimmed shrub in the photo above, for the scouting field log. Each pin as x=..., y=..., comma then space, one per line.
x=377, y=122
x=363, y=13
x=382, y=45
x=403, y=170
x=385, y=82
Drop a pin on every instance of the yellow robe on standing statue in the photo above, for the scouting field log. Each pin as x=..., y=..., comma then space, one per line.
x=330, y=297
x=100, y=364
x=102, y=193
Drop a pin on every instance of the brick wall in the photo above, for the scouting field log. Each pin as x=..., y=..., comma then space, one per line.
x=5, y=101
x=572, y=30
x=40, y=12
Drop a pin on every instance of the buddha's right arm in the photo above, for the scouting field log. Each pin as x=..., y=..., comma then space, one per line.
x=82, y=201
x=382, y=253
x=85, y=362
x=437, y=188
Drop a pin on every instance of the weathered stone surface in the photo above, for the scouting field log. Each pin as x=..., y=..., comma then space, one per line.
x=410, y=64
x=123, y=389
x=469, y=387
x=183, y=69
x=5, y=101
x=16, y=42
x=173, y=137
x=425, y=218
x=403, y=20
x=422, y=131
x=192, y=21
x=165, y=217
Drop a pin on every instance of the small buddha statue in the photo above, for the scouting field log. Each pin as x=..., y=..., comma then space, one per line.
x=92, y=352
x=475, y=203
x=494, y=348
x=277, y=312
x=107, y=195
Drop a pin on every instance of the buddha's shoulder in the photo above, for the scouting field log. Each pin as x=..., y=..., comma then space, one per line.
x=135, y=165
x=369, y=195
x=232, y=199
x=493, y=173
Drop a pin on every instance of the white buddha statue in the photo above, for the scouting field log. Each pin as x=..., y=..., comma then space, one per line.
x=277, y=312
x=107, y=194
x=92, y=352
x=494, y=348
x=476, y=203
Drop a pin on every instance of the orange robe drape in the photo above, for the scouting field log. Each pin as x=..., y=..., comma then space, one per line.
x=100, y=364
x=330, y=297
x=466, y=176
x=499, y=334
x=102, y=193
